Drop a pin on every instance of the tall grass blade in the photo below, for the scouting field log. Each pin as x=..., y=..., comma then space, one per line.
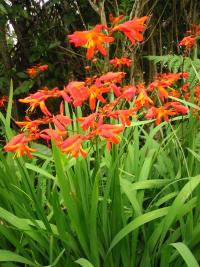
x=186, y=254
x=84, y=263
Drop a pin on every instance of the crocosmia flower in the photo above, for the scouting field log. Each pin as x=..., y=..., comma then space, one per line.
x=128, y=92
x=33, y=71
x=18, y=144
x=89, y=121
x=158, y=114
x=37, y=99
x=55, y=135
x=178, y=107
x=124, y=115
x=142, y=100
x=115, y=20
x=163, y=112
x=32, y=125
x=112, y=77
x=73, y=145
x=188, y=42
x=43, y=67
x=164, y=82
x=95, y=93
x=93, y=40
x=3, y=99
x=61, y=121
x=78, y=92
x=132, y=29
x=110, y=133
x=117, y=62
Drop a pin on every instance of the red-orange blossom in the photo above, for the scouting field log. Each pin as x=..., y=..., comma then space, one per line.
x=93, y=40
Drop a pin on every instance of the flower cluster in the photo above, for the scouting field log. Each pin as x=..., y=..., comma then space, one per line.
x=95, y=40
x=190, y=40
x=137, y=99
x=110, y=104
x=118, y=62
x=33, y=71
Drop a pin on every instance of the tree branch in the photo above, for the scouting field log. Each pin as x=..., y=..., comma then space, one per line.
x=95, y=7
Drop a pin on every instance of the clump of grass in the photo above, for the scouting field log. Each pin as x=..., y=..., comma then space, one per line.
x=137, y=205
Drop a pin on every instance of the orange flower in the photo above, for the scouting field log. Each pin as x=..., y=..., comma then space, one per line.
x=32, y=72
x=78, y=91
x=38, y=99
x=178, y=107
x=128, y=92
x=110, y=133
x=55, y=135
x=61, y=121
x=113, y=77
x=73, y=145
x=194, y=95
x=160, y=113
x=117, y=62
x=174, y=93
x=164, y=81
x=124, y=115
x=110, y=79
x=3, y=99
x=142, y=99
x=34, y=103
x=115, y=20
x=30, y=125
x=43, y=67
x=93, y=40
x=169, y=79
x=55, y=92
x=95, y=92
x=106, y=109
x=19, y=144
x=185, y=87
x=133, y=29
x=188, y=42
x=89, y=121
x=197, y=92
x=161, y=89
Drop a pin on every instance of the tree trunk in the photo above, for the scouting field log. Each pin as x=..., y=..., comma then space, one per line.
x=5, y=53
